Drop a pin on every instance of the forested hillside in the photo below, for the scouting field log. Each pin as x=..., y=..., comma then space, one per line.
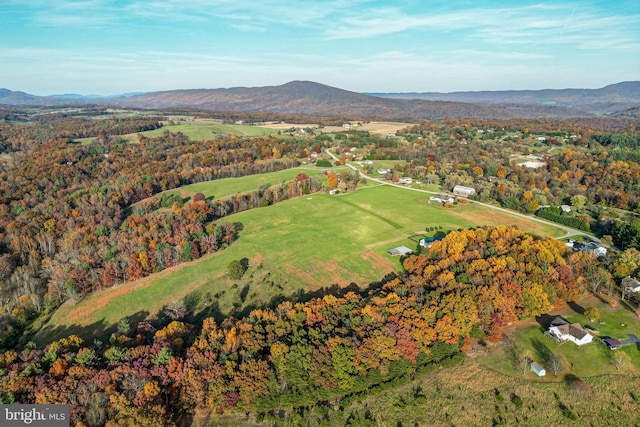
x=68, y=224
x=470, y=284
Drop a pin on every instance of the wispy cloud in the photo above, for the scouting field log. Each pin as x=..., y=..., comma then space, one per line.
x=130, y=45
x=89, y=13
x=530, y=25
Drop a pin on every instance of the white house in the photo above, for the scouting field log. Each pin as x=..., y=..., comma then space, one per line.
x=461, y=190
x=630, y=284
x=600, y=251
x=565, y=331
x=405, y=181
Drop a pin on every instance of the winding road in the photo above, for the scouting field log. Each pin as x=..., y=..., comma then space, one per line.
x=569, y=232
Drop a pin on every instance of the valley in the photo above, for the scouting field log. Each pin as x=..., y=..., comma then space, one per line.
x=319, y=213
x=259, y=254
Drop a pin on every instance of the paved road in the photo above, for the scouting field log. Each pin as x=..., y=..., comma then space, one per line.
x=569, y=232
x=633, y=339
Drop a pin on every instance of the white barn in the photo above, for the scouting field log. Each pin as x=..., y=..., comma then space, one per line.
x=461, y=190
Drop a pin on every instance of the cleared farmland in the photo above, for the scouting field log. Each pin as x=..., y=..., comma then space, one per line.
x=299, y=245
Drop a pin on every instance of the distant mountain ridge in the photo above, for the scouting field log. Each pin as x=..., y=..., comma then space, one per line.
x=611, y=98
x=311, y=98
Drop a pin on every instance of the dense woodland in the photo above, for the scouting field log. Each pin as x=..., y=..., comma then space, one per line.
x=76, y=218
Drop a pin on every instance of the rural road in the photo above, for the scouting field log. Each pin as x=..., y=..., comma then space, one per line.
x=569, y=232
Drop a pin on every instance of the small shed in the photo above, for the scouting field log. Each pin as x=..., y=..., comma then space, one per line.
x=612, y=343
x=538, y=370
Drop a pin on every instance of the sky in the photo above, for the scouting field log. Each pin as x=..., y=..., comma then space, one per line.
x=110, y=47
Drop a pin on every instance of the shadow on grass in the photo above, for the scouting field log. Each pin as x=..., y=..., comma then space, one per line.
x=577, y=308
x=99, y=330
x=198, y=307
x=628, y=306
x=541, y=349
x=212, y=308
x=512, y=353
x=544, y=320
x=602, y=300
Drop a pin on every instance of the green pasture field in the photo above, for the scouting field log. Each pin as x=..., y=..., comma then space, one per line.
x=488, y=216
x=389, y=164
x=206, y=130
x=221, y=188
x=296, y=246
x=583, y=361
x=197, y=131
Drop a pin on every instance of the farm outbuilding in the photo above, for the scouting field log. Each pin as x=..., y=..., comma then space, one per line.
x=461, y=190
x=400, y=250
x=612, y=343
x=538, y=370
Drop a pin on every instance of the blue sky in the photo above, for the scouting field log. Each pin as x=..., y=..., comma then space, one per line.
x=115, y=46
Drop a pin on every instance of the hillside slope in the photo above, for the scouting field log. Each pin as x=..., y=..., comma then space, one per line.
x=310, y=98
x=609, y=99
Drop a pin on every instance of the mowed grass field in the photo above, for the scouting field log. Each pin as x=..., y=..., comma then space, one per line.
x=222, y=188
x=206, y=129
x=202, y=130
x=299, y=245
x=197, y=130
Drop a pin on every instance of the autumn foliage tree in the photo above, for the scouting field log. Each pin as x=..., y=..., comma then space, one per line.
x=298, y=353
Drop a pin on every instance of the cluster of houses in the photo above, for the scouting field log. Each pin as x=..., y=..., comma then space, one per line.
x=385, y=171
